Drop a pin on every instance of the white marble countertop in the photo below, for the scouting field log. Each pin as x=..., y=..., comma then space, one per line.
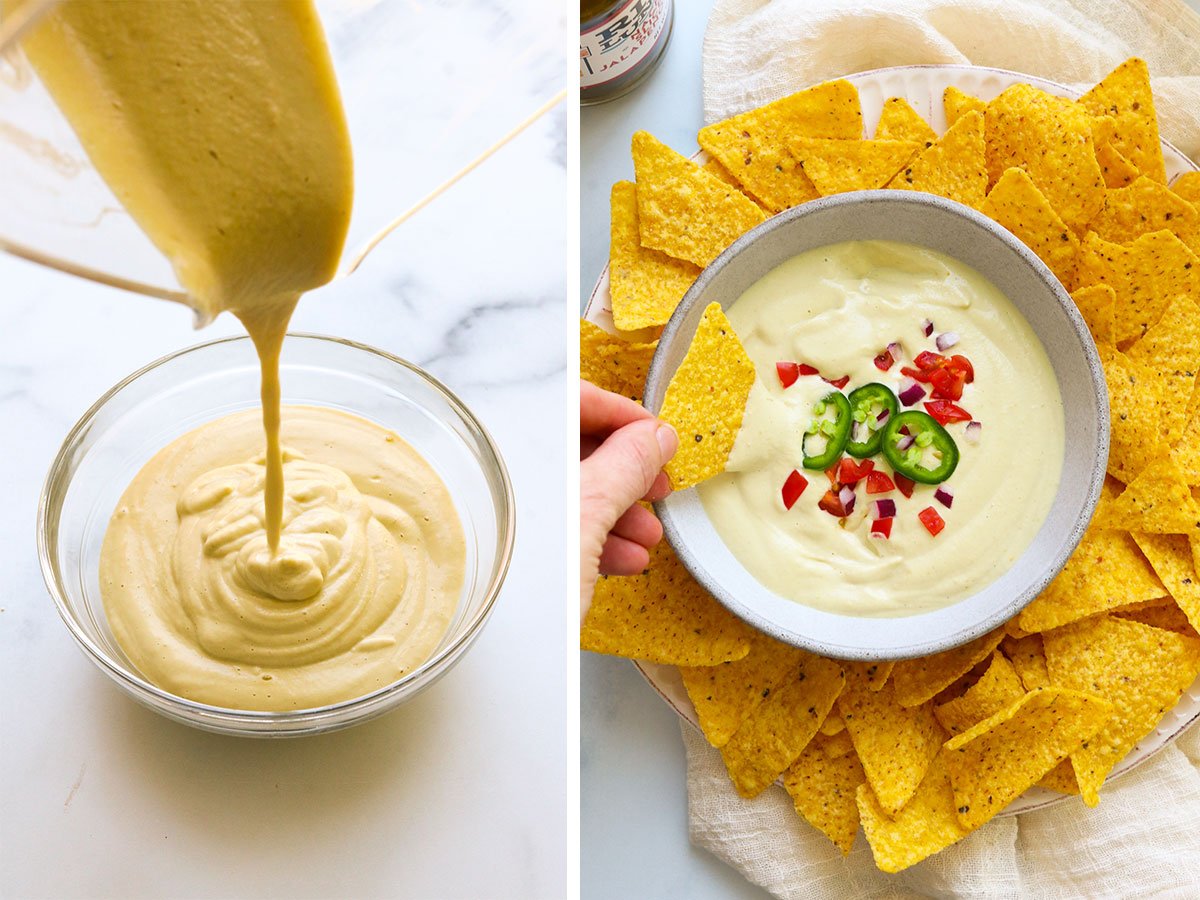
x=459, y=793
x=633, y=800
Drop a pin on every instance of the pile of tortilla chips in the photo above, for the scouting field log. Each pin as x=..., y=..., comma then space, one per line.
x=922, y=752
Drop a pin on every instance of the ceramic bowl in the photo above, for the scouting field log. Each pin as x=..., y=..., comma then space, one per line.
x=964, y=234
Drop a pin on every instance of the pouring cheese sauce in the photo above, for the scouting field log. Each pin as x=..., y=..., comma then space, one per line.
x=243, y=556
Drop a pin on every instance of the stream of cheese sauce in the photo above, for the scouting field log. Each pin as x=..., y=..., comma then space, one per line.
x=219, y=127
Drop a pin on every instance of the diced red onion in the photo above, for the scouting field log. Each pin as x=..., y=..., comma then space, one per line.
x=910, y=392
x=905, y=442
x=944, y=496
x=927, y=327
x=846, y=495
x=896, y=349
x=856, y=433
x=974, y=432
x=882, y=417
x=946, y=341
x=883, y=509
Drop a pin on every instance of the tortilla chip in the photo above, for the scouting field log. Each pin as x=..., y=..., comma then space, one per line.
x=1107, y=570
x=836, y=745
x=1001, y=757
x=833, y=723
x=1146, y=276
x=953, y=167
x=873, y=675
x=682, y=210
x=1171, y=349
x=753, y=144
x=645, y=285
x=1142, y=671
x=662, y=616
x=1017, y=204
x=1157, y=501
x=894, y=743
x=1104, y=129
x=706, y=399
x=1187, y=186
x=1013, y=629
x=613, y=363
x=839, y=166
x=1117, y=170
x=1028, y=659
x=1167, y=615
x=898, y=121
x=727, y=694
x=1097, y=305
x=1172, y=560
x=782, y=726
x=999, y=687
x=714, y=168
x=823, y=790
x=927, y=825
x=957, y=104
x=1061, y=778
x=1134, y=397
x=1187, y=451
x=1051, y=139
x=1124, y=93
x=918, y=680
x=1143, y=207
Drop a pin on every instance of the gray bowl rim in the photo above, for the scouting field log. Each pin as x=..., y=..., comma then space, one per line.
x=657, y=379
x=292, y=723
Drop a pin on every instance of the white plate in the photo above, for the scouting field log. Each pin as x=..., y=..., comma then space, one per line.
x=923, y=86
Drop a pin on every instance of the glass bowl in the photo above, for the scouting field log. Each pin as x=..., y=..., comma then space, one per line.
x=180, y=392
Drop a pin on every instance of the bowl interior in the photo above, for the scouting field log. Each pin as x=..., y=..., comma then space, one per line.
x=181, y=392
x=964, y=234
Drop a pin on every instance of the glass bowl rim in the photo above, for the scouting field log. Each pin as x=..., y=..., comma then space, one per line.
x=309, y=718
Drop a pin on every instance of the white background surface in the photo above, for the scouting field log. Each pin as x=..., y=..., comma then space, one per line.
x=461, y=793
x=633, y=803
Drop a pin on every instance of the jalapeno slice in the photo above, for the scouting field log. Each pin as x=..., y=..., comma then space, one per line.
x=867, y=405
x=826, y=436
x=926, y=453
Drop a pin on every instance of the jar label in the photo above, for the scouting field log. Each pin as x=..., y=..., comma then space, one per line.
x=622, y=41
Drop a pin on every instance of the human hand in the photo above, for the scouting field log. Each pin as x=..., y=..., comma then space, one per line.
x=622, y=450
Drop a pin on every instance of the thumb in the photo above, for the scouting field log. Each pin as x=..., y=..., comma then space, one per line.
x=623, y=468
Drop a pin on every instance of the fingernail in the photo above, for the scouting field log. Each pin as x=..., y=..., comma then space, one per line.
x=668, y=441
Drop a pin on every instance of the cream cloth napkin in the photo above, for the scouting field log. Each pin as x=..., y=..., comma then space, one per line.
x=1144, y=838
x=759, y=50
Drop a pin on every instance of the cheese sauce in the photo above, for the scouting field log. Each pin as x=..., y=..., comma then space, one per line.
x=246, y=566
x=836, y=308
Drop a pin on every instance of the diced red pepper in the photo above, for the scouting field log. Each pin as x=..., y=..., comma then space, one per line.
x=882, y=527
x=788, y=372
x=832, y=504
x=793, y=488
x=879, y=483
x=915, y=374
x=931, y=520
x=946, y=412
x=851, y=473
x=832, y=474
x=839, y=383
x=962, y=364
x=904, y=484
x=884, y=361
x=809, y=370
x=947, y=384
x=927, y=360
